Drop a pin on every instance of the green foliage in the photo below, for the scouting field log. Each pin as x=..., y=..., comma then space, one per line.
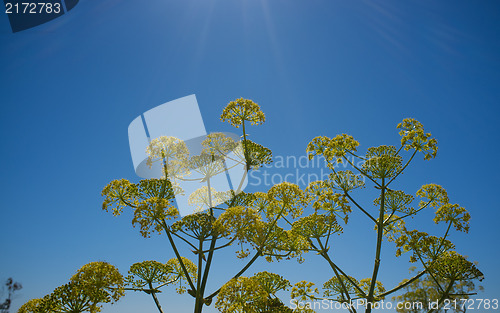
x=256, y=155
x=451, y=266
x=256, y=294
x=249, y=220
x=283, y=223
x=32, y=306
x=146, y=273
x=150, y=276
x=332, y=148
x=316, y=226
x=101, y=276
x=76, y=297
x=334, y=198
x=428, y=289
x=91, y=286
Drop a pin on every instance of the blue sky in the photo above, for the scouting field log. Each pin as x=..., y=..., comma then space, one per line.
x=69, y=89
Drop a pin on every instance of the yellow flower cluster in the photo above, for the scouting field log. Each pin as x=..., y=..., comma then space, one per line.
x=200, y=225
x=254, y=294
x=435, y=195
x=365, y=285
x=167, y=147
x=202, y=199
x=396, y=201
x=101, y=275
x=316, y=226
x=172, y=152
x=145, y=273
x=346, y=180
x=324, y=198
x=218, y=144
x=150, y=212
x=458, y=216
x=151, y=200
x=207, y=165
x=455, y=267
x=333, y=287
x=92, y=285
x=175, y=267
x=119, y=194
x=254, y=154
x=382, y=162
x=241, y=110
x=422, y=245
x=303, y=290
x=413, y=136
x=286, y=198
x=331, y=148
x=32, y=306
x=240, y=222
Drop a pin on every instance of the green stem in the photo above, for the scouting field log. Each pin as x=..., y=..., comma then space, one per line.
x=335, y=267
x=444, y=296
x=153, y=294
x=344, y=288
x=199, y=295
x=210, y=255
x=403, y=285
x=444, y=237
x=207, y=266
x=352, y=200
x=380, y=233
x=427, y=269
x=255, y=257
x=220, y=247
x=359, y=207
x=245, y=152
x=177, y=254
x=184, y=239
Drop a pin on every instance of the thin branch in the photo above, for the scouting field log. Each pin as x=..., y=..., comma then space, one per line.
x=344, y=288
x=362, y=172
x=403, y=168
x=362, y=210
x=404, y=216
x=220, y=247
x=184, y=239
x=430, y=273
x=179, y=258
x=333, y=265
x=353, y=154
x=403, y=285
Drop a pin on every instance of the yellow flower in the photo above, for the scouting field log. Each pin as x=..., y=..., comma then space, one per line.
x=331, y=148
x=241, y=110
x=413, y=137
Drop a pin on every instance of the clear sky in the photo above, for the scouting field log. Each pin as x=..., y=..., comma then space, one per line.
x=69, y=89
